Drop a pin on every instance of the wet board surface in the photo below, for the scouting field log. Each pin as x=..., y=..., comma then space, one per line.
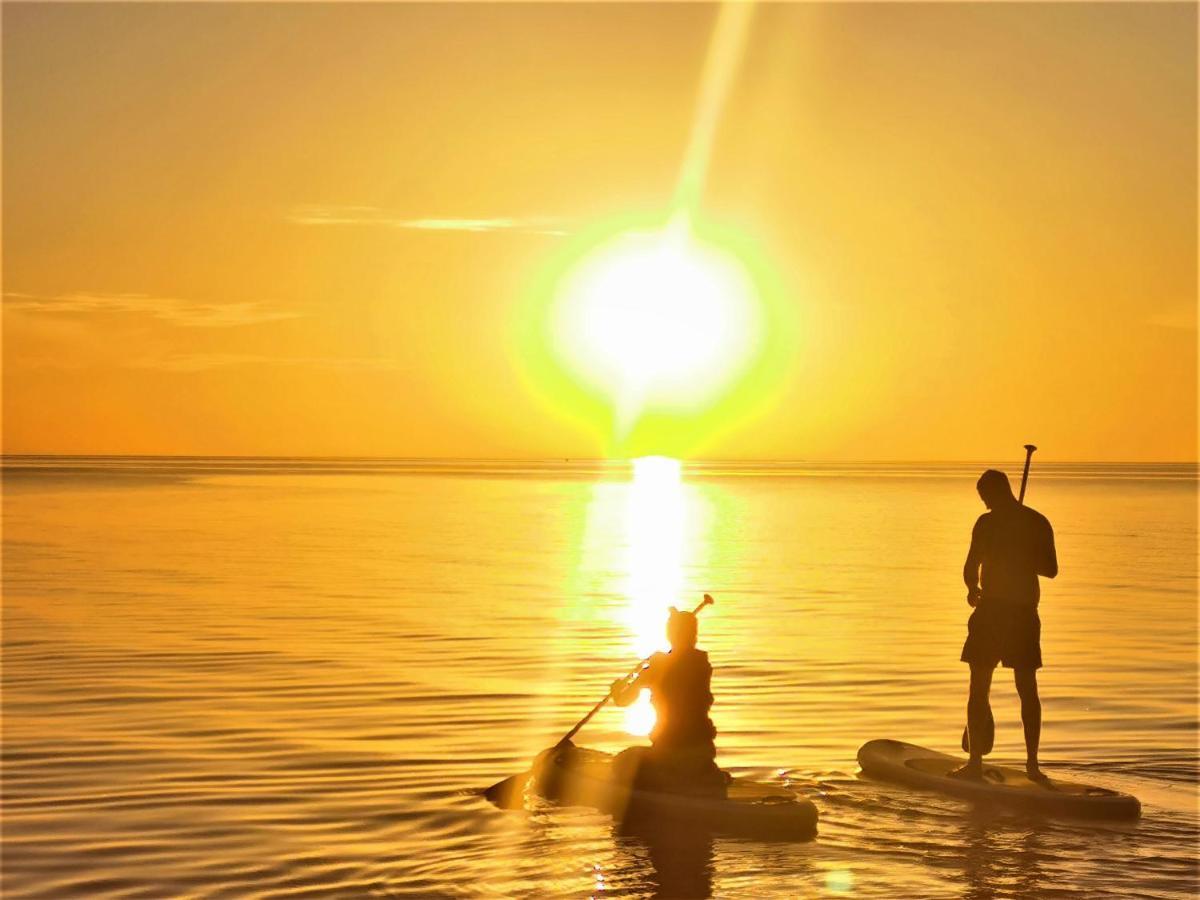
x=923, y=768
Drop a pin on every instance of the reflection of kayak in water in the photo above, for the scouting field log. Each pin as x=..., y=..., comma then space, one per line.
x=578, y=776
x=918, y=767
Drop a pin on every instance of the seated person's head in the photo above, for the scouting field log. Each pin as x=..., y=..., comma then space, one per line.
x=682, y=629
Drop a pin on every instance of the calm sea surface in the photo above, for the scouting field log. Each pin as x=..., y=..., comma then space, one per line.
x=288, y=678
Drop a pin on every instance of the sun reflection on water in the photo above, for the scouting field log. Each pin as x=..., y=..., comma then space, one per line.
x=655, y=522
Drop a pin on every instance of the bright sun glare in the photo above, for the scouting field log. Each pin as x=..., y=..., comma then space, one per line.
x=658, y=318
x=655, y=520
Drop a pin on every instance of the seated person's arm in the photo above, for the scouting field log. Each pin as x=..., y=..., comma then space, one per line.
x=625, y=691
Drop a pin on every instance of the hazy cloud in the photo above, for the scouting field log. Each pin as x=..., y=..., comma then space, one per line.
x=203, y=362
x=1182, y=316
x=373, y=216
x=185, y=313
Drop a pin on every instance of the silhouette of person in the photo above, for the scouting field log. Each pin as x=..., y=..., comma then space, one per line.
x=683, y=741
x=1011, y=545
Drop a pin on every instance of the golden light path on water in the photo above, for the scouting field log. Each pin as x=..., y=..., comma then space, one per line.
x=656, y=548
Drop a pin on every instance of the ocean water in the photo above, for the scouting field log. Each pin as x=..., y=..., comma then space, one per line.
x=244, y=678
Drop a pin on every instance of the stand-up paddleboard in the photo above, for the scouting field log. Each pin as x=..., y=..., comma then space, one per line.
x=922, y=768
x=579, y=776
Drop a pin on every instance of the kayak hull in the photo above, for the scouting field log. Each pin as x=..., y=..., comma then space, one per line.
x=928, y=769
x=575, y=776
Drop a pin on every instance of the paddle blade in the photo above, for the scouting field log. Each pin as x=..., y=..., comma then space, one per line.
x=509, y=793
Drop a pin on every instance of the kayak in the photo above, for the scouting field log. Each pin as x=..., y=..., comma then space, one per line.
x=579, y=776
x=929, y=769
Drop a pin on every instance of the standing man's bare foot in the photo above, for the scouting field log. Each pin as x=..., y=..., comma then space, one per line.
x=972, y=770
x=1034, y=773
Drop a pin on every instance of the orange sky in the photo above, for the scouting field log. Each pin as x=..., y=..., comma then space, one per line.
x=317, y=229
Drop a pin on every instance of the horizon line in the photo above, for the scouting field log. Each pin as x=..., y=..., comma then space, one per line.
x=5, y=456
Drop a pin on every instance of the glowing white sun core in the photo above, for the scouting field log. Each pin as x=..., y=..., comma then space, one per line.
x=658, y=315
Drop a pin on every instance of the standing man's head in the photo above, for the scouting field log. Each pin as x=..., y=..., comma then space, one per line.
x=994, y=489
x=682, y=629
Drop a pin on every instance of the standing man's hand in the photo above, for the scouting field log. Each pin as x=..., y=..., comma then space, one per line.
x=972, y=565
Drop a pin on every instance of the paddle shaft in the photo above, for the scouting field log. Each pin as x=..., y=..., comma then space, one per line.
x=641, y=665
x=1029, y=448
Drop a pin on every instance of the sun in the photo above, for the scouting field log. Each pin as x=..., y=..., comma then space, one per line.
x=660, y=317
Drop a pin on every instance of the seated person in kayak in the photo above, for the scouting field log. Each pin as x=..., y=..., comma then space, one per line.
x=683, y=751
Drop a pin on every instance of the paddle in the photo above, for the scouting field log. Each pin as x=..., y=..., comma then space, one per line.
x=1029, y=448
x=507, y=794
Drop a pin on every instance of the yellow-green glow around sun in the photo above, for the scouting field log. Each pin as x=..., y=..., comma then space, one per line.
x=658, y=334
x=656, y=318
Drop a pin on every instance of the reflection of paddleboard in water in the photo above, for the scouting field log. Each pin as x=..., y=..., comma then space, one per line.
x=918, y=767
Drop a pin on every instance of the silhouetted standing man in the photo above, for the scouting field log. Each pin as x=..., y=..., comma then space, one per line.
x=1011, y=545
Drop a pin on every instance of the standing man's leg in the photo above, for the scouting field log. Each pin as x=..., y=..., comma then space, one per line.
x=981, y=727
x=1031, y=718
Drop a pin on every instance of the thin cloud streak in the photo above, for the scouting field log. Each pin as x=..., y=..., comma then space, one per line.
x=204, y=362
x=207, y=362
x=373, y=216
x=1182, y=317
x=184, y=313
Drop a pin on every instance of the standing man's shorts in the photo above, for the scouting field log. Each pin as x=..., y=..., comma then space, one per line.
x=1008, y=633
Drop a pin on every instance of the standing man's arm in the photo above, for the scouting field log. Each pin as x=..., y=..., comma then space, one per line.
x=1048, y=561
x=971, y=567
